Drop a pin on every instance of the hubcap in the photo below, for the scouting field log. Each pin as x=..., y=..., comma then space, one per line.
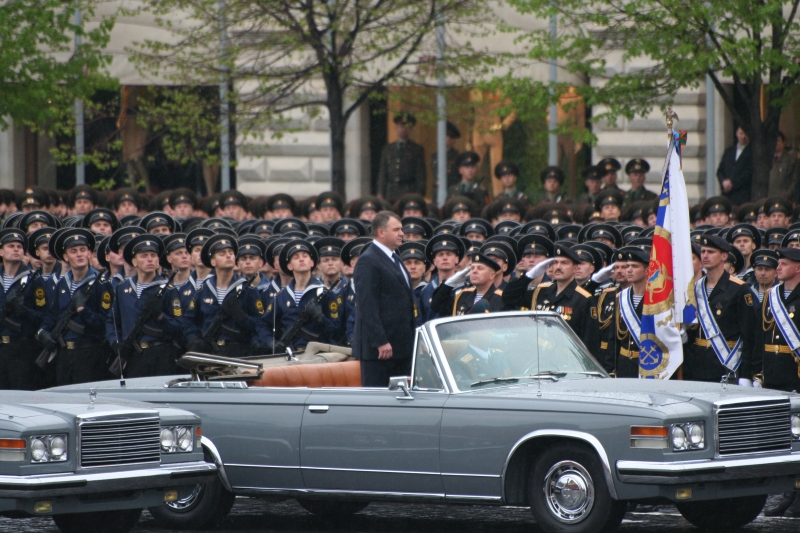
x=186, y=503
x=569, y=492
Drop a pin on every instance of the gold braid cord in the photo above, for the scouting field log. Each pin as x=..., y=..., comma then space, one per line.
x=603, y=323
x=535, y=296
x=767, y=323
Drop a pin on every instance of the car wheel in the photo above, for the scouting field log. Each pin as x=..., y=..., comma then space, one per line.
x=722, y=515
x=331, y=508
x=567, y=492
x=207, y=506
x=98, y=522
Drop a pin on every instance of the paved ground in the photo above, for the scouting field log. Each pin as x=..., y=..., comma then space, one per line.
x=254, y=515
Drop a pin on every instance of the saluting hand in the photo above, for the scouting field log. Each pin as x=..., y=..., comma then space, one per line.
x=603, y=274
x=539, y=269
x=458, y=279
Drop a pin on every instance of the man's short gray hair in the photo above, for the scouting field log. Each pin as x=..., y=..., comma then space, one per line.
x=382, y=219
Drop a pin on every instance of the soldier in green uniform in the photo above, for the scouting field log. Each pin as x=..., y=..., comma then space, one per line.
x=636, y=169
x=508, y=173
x=402, y=164
x=593, y=179
x=453, y=178
x=552, y=180
x=467, y=164
x=609, y=167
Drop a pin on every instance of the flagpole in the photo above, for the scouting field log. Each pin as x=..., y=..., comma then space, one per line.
x=671, y=116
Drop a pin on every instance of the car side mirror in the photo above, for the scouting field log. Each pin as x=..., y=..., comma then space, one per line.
x=400, y=383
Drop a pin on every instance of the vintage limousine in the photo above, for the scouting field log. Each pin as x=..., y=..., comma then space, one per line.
x=500, y=409
x=94, y=464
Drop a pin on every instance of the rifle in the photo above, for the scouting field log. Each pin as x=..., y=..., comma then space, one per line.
x=290, y=334
x=20, y=290
x=222, y=316
x=136, y=331
x=46, y=356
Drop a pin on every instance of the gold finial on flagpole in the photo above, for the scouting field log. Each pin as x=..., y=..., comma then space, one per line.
x=671, y=116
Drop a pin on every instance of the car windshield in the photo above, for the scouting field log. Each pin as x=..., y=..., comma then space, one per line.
x=498, y=350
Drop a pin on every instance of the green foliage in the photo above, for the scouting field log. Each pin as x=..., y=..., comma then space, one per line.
x=525, y=143
x=639, y=53
x=680, y=42
x=287, y=58
x=184, y=120
x=42, y=74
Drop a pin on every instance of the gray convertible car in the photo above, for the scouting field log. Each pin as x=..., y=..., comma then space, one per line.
x=500, y=409
x=94, y=464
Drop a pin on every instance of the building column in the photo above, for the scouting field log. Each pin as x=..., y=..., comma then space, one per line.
x=12, y=157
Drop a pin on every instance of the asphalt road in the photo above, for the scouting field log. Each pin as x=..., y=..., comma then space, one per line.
x=250, y=515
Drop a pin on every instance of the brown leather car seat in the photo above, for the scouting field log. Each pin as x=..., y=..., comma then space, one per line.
x=344, y=374
x=453, y=348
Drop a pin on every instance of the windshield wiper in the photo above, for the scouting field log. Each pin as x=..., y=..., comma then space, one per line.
x=494, y=380
x=590, y=373
x=552, y=374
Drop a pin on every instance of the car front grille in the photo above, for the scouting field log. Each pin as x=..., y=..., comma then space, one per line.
x=120, y=441
x=754, y=427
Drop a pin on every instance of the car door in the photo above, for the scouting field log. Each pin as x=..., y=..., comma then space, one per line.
x=378, y=441
x=256, y=430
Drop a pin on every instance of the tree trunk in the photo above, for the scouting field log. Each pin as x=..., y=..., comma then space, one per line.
x=337, y=125
x=763, y=151
x=763, y=138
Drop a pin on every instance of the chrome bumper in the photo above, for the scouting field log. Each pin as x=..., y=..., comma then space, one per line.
x=67, y=484
x=708, y=470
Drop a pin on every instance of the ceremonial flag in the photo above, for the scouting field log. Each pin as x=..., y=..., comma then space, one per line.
x=669, y=275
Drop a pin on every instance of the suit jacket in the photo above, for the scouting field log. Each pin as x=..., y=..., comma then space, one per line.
x=739, y=171
x=401, y=171
x=385, y=307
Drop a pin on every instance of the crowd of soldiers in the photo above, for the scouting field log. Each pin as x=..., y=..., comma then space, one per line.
x=122, y=284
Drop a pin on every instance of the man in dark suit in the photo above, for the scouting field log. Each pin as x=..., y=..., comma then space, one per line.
x=383, y=338
x=735, y=172
x=402, y=165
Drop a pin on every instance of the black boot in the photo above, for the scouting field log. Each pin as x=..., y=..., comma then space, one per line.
x=794, y=510
x=778, y=508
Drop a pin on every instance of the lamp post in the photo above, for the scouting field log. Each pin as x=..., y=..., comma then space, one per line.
x=225, y=142
x=80, y=167
x=553, y=137
x=441, y=126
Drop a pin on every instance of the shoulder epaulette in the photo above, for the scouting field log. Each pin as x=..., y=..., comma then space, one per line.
x=468, y=289
x=736, y=280
x=498, y=292
x=610, y=289
x=583, y=292
x=545, y=284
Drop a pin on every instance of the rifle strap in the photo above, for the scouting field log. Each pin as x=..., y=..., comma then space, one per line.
x=232, y=332
x=76, y=328
x=16, y=327
x=153, y=332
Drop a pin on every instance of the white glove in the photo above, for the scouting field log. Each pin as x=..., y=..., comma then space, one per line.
x=684, y=336
x=744, y=382
x=757, y=385
x=603, y=274
x=539, y=269
x=458, y=279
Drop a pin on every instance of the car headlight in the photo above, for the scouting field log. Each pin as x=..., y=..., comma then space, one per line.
x=688, y=436
x=167, y=439
x=177, y=439
x=796, y=427
x=48, y=448
x=185, y=439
